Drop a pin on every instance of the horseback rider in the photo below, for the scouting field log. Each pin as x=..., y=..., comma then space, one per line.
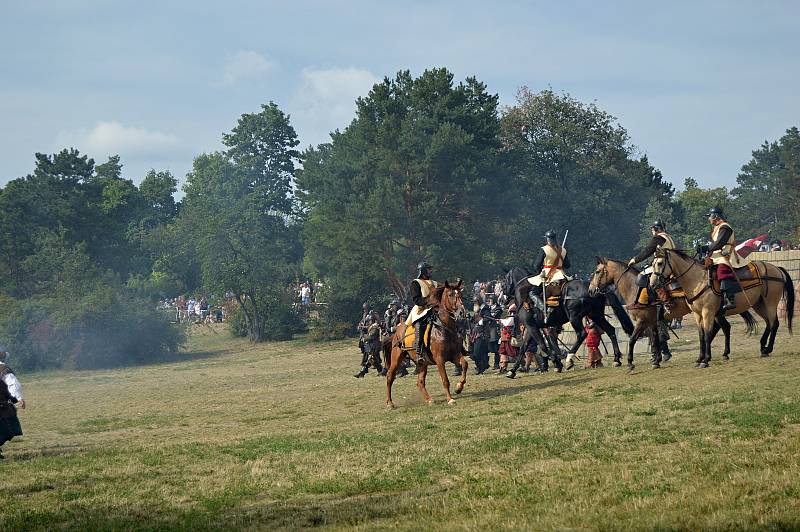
x=420, y=289
x=722, y=255
x=551, y=261
x=661, y=239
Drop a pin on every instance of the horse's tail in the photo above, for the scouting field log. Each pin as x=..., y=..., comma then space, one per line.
x=750, y=322
x=788, y=292
x=620, y=313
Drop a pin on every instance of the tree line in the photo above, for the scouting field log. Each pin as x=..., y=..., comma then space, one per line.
x=429, y=169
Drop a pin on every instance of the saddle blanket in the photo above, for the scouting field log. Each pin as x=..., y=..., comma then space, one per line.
x=409, y=341
x=748, y=276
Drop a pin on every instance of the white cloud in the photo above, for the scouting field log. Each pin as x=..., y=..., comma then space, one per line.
x=326, y=99
x=242, y=66
x=110, y=138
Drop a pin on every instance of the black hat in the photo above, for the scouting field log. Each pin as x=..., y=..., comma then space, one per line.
x=658, y=224
x=716, y=212
x=551, y=235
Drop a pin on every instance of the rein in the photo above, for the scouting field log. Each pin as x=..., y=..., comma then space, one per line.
x=662, y=280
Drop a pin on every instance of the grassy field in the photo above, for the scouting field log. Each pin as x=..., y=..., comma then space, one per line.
x=282, y=436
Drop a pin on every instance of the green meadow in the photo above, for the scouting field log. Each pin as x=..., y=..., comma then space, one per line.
x=281, y=436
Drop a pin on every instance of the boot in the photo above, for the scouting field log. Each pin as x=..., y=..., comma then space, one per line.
x=422, y=355
x=642, y=300
x=361, y=373
x=729, y=301
x=665, y=352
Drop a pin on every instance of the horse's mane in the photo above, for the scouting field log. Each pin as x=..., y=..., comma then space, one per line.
x=681, y=253
x=624, y=264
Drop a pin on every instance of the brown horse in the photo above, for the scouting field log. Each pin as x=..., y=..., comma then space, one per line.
x=446, y=344
x=705, y=304
x=613, y=272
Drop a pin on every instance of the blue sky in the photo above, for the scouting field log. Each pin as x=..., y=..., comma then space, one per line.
x=698, y=85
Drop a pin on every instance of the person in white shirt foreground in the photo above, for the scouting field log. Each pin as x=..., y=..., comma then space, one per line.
x=10, y=395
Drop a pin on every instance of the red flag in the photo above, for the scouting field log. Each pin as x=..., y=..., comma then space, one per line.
x=749, y=246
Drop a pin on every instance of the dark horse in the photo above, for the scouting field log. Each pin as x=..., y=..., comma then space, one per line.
x=576, y=303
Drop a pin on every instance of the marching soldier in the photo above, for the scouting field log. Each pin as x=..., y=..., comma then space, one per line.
x=372, y=348
x=551, y=261
x=420, y=289
x=10, y=395
x=722, y=254
x=661, y=240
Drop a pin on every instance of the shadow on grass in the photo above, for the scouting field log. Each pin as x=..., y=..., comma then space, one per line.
x=558, y=382
x=224, y=513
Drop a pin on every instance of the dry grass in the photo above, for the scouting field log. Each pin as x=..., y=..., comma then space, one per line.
x=282, y=436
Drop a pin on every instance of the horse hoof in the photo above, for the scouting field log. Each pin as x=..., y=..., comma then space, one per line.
x=617, y=363
x=459, y=389
x=390, y=406
x=630, y=367
x=656, y=366
x=725, y=357
x=429, y=402
x=510, y=375
x=451, y=402
x=702, y=365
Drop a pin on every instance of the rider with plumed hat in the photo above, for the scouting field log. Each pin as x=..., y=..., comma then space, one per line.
x=420, y=289
x=661, y=239
x=722, y=254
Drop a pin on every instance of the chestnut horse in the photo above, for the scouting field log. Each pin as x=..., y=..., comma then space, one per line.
x=446, y=343
x=705, y=304
x=610, y=272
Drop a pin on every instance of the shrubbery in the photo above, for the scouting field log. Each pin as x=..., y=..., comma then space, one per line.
x=105, y=328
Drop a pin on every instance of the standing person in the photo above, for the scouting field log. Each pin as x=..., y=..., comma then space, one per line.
x=594, y=359
x=420, y=289
x=372, y=339
x=495, y=311
x=10, y=395
x=480, y=337
x=508, y=331
x=305, y=294
x=723, y=256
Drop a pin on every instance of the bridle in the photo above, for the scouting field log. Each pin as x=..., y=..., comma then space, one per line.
x=662, y=280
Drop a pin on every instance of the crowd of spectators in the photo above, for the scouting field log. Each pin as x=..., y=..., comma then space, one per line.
x=195, y=309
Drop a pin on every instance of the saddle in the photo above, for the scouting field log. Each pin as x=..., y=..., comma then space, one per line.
x=553, y=293
x=748, y=276
x=408, y=342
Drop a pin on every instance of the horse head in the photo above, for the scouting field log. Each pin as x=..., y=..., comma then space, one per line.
x=601, y=279
x=450, y=299
x=662, y=269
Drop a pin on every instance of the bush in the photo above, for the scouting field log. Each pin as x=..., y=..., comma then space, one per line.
x=280, y=320
x=335, y=319
x=105, y=328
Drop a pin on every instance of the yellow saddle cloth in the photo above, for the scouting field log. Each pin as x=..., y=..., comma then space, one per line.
x=749, y=276
x=409, y=342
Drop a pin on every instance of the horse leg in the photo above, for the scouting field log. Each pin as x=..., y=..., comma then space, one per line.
x=774, y=323
x=702, y=337
x=722, y=324
x=395, y=358
x=708, y=324
x=761, y=310
x=637, y=332
x=580, y=336
x=445, y=382
x=464, y=367
x=423, y=372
